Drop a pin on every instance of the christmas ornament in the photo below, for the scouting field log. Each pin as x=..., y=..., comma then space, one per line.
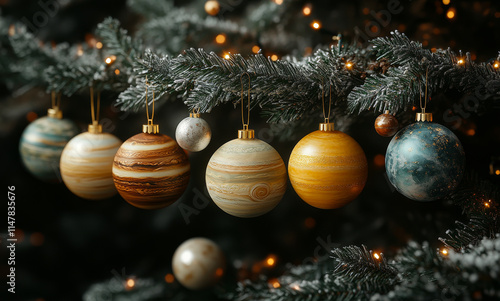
x=425, y=160
x=42, y=143
x=386, y=124
x=87, y=161
x=327, y=168
x=198, y=263
x=212, y=7
x=246, y=177
x=193, y=133
x=150, y=170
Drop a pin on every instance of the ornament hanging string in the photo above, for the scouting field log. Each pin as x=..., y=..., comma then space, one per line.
x=56, y=104
x=150, y=120
x=424, y=106
x=93, y=115
x=245, y=125
x=327, y=117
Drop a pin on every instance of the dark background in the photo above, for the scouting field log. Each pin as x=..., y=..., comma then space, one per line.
x=66, y=244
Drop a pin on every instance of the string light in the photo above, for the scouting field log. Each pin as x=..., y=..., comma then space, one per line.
x=486, y=204
x=451, y=13
x=12, y=30
x=274, y=282
x=117, y=71
x=271, y=260
x=295, y=286
x=460, y=62
x=444, y=252
x=446, y=2
x=169, y=278
x=110, y=60
x=279, y=2
x=497, y=172
x=349, y=65
x=130, y=283
x=316, y=24
x=227, y=56
x=98, y=45
x=496, y=64
x=220, y=39
x=376, y=256
x=255, y=49
x=274, y=57
x=219, y=272
x=79, y=50
x=307, y=10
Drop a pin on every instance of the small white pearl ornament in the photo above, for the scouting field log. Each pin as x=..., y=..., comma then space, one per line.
x=193, y=133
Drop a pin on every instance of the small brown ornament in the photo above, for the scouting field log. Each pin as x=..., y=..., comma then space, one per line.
x=386, y=125
x=212, y=7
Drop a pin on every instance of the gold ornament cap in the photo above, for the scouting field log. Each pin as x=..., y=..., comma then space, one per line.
x=54, y=112
x=245, y=133
x=423, y=116
x=95, y=128
x=194, y=115
x=326, y=127
x=151, y=128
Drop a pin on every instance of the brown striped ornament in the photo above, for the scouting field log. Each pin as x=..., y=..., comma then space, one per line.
x=246, y=177
x=386, y=125
x=151, y=171
x=328, y=169
x=86, y=164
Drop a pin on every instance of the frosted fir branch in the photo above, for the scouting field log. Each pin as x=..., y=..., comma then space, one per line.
x=443, y=71
x=360, y=266
x=151, y=8
x=117, y=289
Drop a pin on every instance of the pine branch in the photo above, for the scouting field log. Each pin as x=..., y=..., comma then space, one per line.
x=359, y=266
x=442, y=68
x=478, y=200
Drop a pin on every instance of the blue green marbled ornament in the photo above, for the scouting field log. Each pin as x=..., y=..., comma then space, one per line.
x=425, y=161
x=42, y=143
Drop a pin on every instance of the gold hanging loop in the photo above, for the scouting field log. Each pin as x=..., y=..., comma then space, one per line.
x=423, y=116
x=245, y=133
x=150, y=128
x=95, y=127
x=55, y=111
x=326, y=126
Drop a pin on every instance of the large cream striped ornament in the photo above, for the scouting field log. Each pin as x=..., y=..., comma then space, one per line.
x=246, y=177
x=86, y=164
x=327, y=168
x=151, y=171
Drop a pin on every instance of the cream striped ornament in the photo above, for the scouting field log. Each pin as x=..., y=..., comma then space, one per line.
x=246, y=177
x=86, y=164
x=151, y=171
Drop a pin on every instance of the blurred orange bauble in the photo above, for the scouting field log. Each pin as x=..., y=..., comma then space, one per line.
x=212, y=7
x=328, y=168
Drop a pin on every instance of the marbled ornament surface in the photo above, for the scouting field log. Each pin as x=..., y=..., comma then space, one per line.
x=193, y=134
x=425, y=161
x=86, y=164
x=198, y=263
x=386, y=125
x=151, y=171
x=42, y=143
x=328, y=169
x=246, y=178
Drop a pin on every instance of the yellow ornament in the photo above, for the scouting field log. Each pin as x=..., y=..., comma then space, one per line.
x=328, y=168
x=212, y=7
x=246, y=177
